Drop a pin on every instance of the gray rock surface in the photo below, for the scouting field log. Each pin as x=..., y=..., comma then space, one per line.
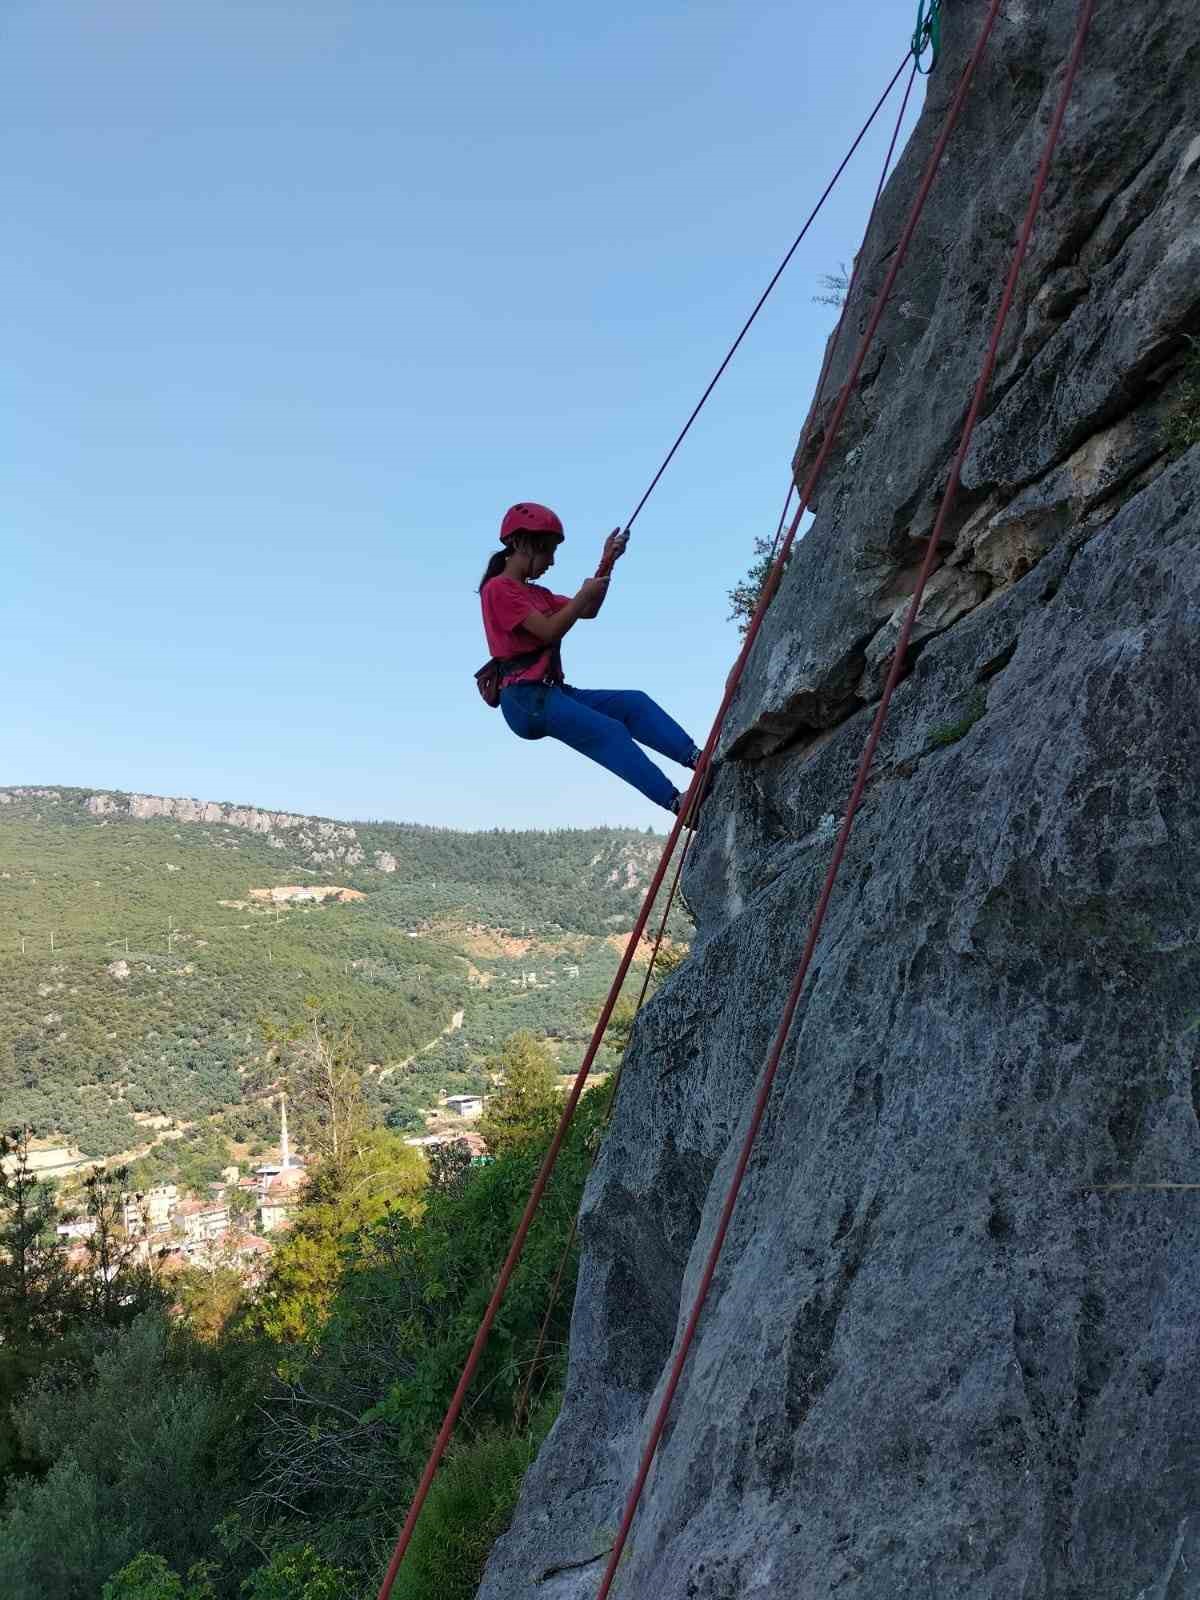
x=953, y=1347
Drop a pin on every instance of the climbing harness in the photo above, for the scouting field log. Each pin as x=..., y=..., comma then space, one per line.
x=897, y=668
x=927, y=35
x=897, y=257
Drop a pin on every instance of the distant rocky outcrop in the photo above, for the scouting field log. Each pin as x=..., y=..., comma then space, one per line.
x=953, y=1348
x=318, y=842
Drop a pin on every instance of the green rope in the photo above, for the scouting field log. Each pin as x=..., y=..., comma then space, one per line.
x=928, y=35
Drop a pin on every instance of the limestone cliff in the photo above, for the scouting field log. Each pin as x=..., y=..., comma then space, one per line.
x=953, y=1348
x=319, y=841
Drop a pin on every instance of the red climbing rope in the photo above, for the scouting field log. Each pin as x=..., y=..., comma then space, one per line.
x=550, y=1158
x=897, y=668
x=520, y=1410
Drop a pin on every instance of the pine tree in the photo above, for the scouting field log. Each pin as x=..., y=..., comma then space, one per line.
x=526, y=1106
x=744, y=596
x=36, y=1288
x=113, y=1256
x=38, y=1293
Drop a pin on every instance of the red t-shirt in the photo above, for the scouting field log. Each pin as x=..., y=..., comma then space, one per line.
x=506, y=604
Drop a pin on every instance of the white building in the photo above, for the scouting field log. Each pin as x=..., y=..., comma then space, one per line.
x=148, y=1212
x=77, y=1228
x=201, y=1221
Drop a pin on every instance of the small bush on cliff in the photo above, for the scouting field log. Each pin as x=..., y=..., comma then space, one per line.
x=744, y=596
x=1182, y=428
x=946, y=733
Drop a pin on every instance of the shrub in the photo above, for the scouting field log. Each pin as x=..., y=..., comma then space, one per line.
x=469, y=1506
x=147, y=1577
x=744, y=596
x=946, y=733
x=297, y=1574
x=527, y=1108
x=1182, y=428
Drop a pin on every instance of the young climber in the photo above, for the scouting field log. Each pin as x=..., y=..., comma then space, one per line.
x=525, y=624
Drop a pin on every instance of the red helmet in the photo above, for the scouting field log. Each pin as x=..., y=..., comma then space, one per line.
x=530, y=518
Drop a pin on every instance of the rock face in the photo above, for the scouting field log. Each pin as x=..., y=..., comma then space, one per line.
x=953, y=1346
x=321, y=843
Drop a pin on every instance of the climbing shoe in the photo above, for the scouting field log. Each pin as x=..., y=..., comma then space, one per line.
x=678, y=802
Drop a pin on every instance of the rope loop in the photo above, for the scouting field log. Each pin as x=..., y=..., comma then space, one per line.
x=927, y=35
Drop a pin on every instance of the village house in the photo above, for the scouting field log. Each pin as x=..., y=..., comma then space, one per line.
x=278, y=1196
x=201, y=1221
x=149, y=1211
x=77, y=1228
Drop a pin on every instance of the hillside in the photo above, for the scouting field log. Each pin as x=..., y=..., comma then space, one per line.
x=142, y=946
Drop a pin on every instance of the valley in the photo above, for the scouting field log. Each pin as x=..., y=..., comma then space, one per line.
x=146, y=943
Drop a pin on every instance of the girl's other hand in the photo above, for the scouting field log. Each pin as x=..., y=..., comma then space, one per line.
x=614, y=546
x=592, y=591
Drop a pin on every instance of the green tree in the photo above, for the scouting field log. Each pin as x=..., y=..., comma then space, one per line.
x=145, y=1445
x=318, y=1066
x=243, y=1207
x=376, y=1176
x=527, y=1105
x=147, y=1577
x=115, y=1273
x=39, y=1295
x=209, y=1297
x=744, y=596
x=37, y=1290
x=297, y=1574
x=48, y=1309
x=449, y=1165
x=347, y=1433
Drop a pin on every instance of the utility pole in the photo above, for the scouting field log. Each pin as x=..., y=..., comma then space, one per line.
x=52, y=938
x=22, y=944
x=170, y=933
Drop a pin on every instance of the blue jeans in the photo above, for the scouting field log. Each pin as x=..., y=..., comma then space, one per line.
x=602, y=724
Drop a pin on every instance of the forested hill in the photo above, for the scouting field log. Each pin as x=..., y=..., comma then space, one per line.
x=137, y=962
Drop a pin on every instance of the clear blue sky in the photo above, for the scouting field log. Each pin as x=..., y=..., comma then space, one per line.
x=299, y=295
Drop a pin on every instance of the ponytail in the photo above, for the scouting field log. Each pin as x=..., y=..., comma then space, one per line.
x=523, y=539
x=494, y=567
